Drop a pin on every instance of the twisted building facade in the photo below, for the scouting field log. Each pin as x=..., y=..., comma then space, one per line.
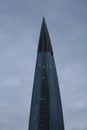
x=46, y=109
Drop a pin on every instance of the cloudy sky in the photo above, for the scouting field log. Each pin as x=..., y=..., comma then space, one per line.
x=20, y=22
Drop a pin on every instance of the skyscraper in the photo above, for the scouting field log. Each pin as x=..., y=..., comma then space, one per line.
x=46, y=109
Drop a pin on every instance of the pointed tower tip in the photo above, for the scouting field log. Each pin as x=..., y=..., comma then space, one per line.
x=44, y=40
x=43, y=19
x=43, y=22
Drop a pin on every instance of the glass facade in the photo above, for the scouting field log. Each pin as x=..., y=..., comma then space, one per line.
x=46, y=109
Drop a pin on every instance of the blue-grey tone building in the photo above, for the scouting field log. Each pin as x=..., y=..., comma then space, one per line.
x=46, y=109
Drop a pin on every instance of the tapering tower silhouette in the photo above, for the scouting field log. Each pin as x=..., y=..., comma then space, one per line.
x=46, y=109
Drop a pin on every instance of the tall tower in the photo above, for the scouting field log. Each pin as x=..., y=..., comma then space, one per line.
x=46, y=109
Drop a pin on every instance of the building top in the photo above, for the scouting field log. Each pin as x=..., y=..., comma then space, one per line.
x=44, y=40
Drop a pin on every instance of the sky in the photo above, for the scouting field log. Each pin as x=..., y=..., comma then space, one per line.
x=20, y=23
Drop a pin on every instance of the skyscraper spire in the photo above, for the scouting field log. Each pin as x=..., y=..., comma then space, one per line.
x=44, y=40
x=46, y=108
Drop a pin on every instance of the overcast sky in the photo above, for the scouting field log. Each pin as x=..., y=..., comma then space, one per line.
x=20, y=23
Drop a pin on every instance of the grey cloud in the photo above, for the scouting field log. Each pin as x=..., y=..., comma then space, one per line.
x=20, y=23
